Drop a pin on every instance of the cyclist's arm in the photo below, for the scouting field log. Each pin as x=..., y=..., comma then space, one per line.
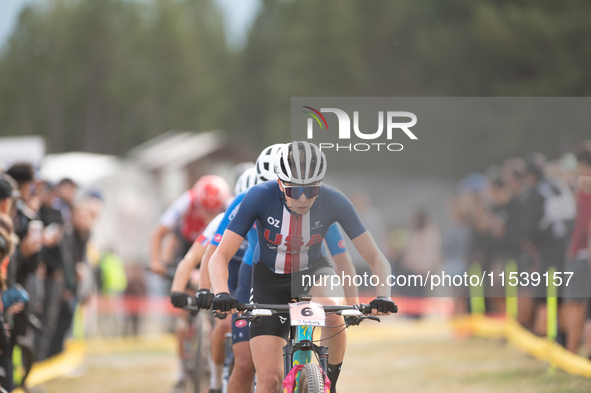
x=204, y=281
x=156, y=264
x=344, y=265
x=233, y=236
x=218, y=264
x=335, y=242
x=167, y=221
x=378, y=263
x=186, y=266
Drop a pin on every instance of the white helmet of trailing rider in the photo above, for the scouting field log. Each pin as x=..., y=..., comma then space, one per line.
x=248, y=179
x=265, y=164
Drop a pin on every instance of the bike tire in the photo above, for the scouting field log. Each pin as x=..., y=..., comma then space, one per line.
x=201, y=368
x=311, y=379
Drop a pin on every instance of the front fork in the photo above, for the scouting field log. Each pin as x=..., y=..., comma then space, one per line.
x=289, y=350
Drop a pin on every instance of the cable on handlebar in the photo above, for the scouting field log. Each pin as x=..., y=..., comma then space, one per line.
x=328, y=338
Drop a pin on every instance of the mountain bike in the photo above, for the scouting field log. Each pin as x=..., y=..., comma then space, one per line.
x=300, y=374
x=196, y=349
x=228, y=362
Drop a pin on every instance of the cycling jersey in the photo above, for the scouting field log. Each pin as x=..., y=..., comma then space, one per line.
x=292, y=242
x=251, y=236
x=208, y=234
x=234, y=264
x=185, y=209
x=334, y=237
x=335, y=241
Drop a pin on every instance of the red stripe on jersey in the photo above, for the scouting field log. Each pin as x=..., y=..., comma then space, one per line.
x=292, y=257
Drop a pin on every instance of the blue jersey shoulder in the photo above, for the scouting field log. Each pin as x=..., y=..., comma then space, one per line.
x=230, y=213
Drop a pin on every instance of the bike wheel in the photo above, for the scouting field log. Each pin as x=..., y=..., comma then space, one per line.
x=311, y=379
x=201, y=351
x=228, y=362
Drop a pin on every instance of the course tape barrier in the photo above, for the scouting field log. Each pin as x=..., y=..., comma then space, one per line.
x=539, y=347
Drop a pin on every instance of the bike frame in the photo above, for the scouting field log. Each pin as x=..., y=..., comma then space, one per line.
x=298, y=349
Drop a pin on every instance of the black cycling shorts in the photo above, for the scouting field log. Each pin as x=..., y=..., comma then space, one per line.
x=273, y=288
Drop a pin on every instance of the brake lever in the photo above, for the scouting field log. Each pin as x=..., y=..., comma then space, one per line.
x=354, y=321
x=247, y=316
x=220, y=315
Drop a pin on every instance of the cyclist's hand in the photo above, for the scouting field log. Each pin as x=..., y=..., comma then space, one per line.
x=382, y=306
x=225, y=303
x=158, y=267
x=179, y=299
x=204, y=298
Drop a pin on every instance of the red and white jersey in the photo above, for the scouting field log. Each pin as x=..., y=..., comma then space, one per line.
x=186, y=210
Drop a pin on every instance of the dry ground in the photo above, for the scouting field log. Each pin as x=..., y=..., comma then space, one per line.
x=388, y=358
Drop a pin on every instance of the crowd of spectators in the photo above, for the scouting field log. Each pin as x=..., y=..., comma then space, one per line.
x=529, y=213
x=44, y=230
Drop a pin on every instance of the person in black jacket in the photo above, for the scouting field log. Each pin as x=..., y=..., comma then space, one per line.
x=52, y=258
x=73, y=249
x=548, y=220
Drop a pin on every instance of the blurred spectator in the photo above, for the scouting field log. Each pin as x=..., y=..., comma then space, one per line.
x=8, y=195
x=513, y=174
x=579, y=258
x=66, y=195
x=25, y=260
x=456, y=244
x=74, y=263
x=548, y=222
x=6, y=248
x=481, y=249
x=52, y=258
x=134, y=293
x=422, y=253
x=499, y=196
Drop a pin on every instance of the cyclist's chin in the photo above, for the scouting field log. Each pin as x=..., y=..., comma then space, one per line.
x=301, y=209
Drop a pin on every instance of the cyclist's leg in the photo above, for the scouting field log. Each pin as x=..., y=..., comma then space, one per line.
x=242, y=375
x=267, y=353
x=218, y=336
x=268, y=336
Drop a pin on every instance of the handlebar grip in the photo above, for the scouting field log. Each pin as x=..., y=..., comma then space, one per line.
x=191, y=301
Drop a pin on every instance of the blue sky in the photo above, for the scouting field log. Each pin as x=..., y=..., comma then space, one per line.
x=239, y=16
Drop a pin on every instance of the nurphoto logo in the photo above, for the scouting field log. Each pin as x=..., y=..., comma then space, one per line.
x=395, y=121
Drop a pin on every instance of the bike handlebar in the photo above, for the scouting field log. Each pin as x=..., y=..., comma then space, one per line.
x=364, y=308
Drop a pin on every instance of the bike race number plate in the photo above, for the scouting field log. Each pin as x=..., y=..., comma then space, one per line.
x=307, y=314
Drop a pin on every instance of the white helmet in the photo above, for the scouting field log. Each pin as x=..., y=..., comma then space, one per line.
x=266, y=162
x=248, y=179
x=300, y=163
